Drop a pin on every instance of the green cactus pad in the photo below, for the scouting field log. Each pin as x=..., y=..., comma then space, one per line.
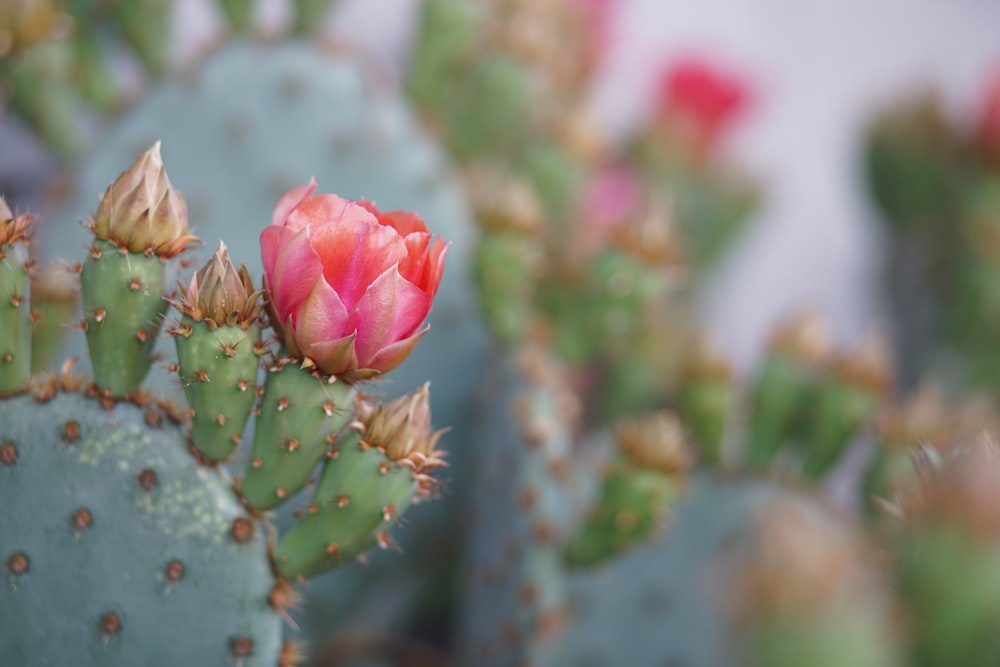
x=123, y=307
x=359, y=495
x=254, y=120
x=839, y=410
x=15, y=319
x=127, y=545
x=513, y=597
x=780, y=393
x=706, y=404
x=666, y=602
x=218, y=370
x=300, y=414
x=632, y=504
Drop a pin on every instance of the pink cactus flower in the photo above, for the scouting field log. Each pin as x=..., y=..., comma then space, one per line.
x=988, y=131
x=702, y=99
x=610, y=198
x=348, y=286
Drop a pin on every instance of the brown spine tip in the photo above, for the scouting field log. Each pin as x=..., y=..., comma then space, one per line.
x=153, y=418
x=148, y=480
x=81, y=520
x=174, y=571
x=241, y=647
x=18, y=563
x=110, y=625
x=281, y=492
x=257, y=462
x=8, y=453
x=342, y=501
x=544, y=532
x=71, y=431
x=292, y=445
x=242, y=529
x=135, y=285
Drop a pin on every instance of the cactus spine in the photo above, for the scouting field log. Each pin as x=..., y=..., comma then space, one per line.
x=15, y=316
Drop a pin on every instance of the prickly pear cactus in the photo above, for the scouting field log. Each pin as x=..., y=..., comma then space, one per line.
x=685, y=609
x=513, y=602
x=257, y=119
x=148, y=556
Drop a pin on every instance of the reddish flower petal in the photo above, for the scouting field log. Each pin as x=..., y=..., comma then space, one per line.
x=392, y=355
x=296, y=270
x=332, y=267
x=320, y=317
x=271, y=241
x=290, y=200
x=355, y=255
x=287, y=335
x=323, y=209
x=334, y=357
x=403, y=222
x=391, y=309
x=435, y=267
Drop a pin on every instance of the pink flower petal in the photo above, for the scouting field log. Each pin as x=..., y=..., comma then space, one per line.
x=404, y=222
x=391, y=309
x=334, y=357
x=296, y=270
x=392, y=355
x=323, y=209
x=290, y=200
x=320, y=317
x=355, y=255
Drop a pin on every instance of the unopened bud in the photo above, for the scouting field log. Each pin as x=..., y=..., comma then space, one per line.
x=655, y=441
x=13, y=229
x=220, y=294
x=403, y=427
x=805, y=336
x=142, y=212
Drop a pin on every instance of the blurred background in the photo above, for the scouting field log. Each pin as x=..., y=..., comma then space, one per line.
x=817, y=72
x=723, y=289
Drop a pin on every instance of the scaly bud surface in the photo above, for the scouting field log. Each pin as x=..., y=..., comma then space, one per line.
x=219, y=294
x=142, y=212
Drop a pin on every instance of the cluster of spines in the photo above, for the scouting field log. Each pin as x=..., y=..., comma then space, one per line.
x=15, y=317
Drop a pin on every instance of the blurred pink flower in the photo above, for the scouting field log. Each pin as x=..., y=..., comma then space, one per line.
x=348, y=286
x=988, y=131
x=610, y=198
x=701, y=100
x=598, y=15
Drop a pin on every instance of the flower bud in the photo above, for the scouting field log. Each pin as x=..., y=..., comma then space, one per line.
x=655, y=441
x=13, y=229
x=141, y=212
x=403, y=427
x=220, y=294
